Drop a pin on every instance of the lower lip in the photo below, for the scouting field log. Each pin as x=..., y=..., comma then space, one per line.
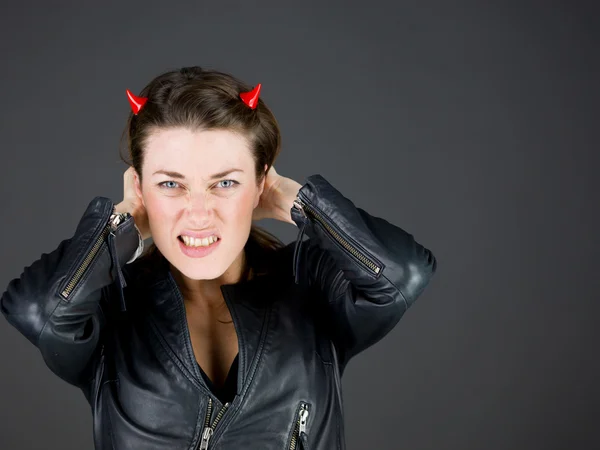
x=198, y=252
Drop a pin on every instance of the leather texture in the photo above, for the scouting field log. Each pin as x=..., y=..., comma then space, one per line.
x=119, y=332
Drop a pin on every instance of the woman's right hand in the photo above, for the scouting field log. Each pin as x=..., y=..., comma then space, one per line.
x=133, y=204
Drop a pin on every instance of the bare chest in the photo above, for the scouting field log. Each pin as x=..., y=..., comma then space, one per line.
x=215, y=346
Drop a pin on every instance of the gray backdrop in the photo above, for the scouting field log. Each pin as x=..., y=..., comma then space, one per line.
x=472, y=125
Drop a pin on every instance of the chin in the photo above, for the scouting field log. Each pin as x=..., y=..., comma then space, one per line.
x=196, y=273
x=201, y=268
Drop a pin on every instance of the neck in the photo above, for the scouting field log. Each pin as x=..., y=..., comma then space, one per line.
x=207, y=294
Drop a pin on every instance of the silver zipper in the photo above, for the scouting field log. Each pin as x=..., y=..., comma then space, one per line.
x=303, y=419
x=307, y=209
x=108, y=228
x=300, y=425
x=209, y=428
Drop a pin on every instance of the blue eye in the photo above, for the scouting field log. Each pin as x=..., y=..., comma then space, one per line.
x=232, y=181
x=163, y=183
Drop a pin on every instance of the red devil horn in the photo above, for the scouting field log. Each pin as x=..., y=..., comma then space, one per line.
x=251, y=98
x=136, y=102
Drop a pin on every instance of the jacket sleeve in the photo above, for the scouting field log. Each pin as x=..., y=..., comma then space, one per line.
x=55, y=302
x=368, y=270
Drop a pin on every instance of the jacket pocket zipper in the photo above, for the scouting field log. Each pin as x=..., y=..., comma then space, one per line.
x=109, y=228
x=299, y=433
x=209, y=428
x=308, y=210
x=85, y=264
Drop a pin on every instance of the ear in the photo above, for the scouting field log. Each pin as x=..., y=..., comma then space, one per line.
x=261, y=188
x=138, y=187
x=262, y=183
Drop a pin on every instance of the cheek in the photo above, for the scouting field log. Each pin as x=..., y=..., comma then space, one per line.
x=158, y=209
x=244, y=206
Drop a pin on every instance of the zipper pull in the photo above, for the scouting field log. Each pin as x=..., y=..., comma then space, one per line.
x=296, y=257
x=303, y=420
x=205, y=438
x=117, y=218
x=121, y=284
x=299, y=204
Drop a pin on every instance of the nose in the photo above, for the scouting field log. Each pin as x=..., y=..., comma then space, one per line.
x=199, y=206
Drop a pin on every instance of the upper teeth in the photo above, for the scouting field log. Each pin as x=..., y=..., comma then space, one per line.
x=197, y=242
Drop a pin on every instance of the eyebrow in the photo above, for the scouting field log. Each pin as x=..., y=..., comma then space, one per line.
x=180, y=176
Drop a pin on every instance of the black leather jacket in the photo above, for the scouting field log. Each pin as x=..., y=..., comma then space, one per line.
x=119, y=332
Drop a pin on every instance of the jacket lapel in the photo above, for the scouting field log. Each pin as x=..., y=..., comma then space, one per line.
x=250, y=305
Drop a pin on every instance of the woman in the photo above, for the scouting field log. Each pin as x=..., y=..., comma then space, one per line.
x=219, y=336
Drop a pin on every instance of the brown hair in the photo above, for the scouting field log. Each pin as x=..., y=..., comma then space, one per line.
x=197, y=98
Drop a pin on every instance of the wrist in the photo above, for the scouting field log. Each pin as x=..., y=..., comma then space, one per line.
x=119, y=210
x=139, y=218
x=122, y=208
x=288, y=191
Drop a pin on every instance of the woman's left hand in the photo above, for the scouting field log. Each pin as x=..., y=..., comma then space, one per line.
x=277, y=197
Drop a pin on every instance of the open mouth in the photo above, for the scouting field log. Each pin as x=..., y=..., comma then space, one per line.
x=199, y=243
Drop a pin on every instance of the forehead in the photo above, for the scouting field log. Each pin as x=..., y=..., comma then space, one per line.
x=188, y=151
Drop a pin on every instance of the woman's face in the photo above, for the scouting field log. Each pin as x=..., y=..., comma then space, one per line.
x=201, y=193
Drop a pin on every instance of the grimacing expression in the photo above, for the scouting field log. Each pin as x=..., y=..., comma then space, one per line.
x=194, y=199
